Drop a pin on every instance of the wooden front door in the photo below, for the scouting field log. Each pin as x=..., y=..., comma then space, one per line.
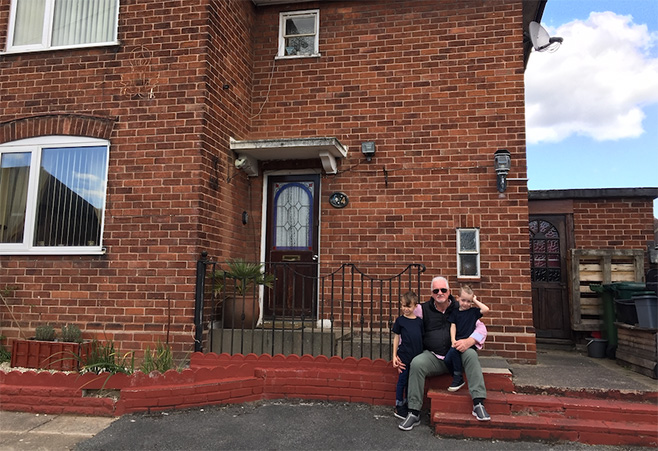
x=292, y=245
x=550, y=300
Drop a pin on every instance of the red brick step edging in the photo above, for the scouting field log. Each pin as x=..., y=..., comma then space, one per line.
x=211, y=379
x=552, y=418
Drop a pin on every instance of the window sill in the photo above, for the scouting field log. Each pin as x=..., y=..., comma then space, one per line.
x=290, y=57
x=71, y=252
x=468, y=278
x=55, y=49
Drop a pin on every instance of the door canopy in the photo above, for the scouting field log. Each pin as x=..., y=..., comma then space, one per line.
x=249, y=152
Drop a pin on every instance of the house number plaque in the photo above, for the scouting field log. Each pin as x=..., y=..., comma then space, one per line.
x=338, y=200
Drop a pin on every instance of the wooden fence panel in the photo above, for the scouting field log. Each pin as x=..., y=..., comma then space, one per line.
x=601, y=266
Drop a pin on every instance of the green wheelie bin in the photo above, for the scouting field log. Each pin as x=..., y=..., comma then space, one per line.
x=609, y=329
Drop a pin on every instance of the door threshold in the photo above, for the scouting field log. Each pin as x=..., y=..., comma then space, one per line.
x=286, y=324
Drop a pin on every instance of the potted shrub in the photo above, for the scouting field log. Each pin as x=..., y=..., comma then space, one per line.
x=45, y=351
x=234, y=287
x=5, y=355
x=74, y=350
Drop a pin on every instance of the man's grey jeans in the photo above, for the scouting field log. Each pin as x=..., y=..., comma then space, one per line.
x=427, y=364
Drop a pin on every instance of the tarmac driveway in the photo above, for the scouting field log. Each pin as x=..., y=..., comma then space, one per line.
x=287, y=425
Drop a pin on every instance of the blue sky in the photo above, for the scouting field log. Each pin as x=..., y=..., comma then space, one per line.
x=592, y=105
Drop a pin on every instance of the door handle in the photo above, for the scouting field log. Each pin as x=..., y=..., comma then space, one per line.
x=290, y=258
x=315, y=258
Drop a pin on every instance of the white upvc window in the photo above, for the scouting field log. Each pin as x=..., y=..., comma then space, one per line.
x=52, y=195
x=298, y=33
x=53, y=24
x=468, y=252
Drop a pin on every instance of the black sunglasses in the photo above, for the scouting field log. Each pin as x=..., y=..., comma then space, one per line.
x=442, y=290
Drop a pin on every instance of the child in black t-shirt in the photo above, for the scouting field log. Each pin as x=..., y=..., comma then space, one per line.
x=462, y=326
x=407, y=344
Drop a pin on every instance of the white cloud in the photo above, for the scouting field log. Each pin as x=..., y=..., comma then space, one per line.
x=595, y=84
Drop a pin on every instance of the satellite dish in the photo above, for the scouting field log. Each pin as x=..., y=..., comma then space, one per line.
x=541, y=41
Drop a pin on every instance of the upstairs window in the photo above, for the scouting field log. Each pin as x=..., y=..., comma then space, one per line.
x=52, y=195
x=52, y=24
x=298, y=33
x=468, y=252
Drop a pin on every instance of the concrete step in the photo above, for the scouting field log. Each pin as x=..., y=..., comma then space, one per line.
x=553, y=418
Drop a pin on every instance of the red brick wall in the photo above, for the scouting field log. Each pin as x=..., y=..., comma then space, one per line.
x=613, y=223
x=228, y=115
x=438, y=86
x=148, y=96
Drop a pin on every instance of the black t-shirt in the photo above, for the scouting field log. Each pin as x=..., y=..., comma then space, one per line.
x=465, y=321
x=411, y=333
x=437, y=327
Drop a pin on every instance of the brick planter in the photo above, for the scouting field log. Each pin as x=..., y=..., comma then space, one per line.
x=48, y=355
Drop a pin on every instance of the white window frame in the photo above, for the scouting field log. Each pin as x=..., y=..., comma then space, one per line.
x=461, y=253
x=313, y=13
x=35, y=146
x=46, y=35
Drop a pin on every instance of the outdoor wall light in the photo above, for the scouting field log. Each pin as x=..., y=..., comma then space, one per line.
x=368, y=149
x=247, y=164
x=502, y=165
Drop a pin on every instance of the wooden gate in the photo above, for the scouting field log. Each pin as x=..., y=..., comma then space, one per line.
x=550, y=304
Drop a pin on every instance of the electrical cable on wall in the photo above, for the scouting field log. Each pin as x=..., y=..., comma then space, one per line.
x=269, y=87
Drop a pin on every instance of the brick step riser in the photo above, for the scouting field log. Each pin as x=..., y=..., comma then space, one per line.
x=503, y=382
x=608, y=395
x=451, y=427
x=495, y=382
x=551, y=407
x=531, y=422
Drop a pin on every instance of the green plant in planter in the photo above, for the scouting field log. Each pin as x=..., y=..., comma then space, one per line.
x=104, y=357
x=235, y=307
x=5, y=355
x=45, y=332
x=160, y=359
x=71, y=334
x=246, y=274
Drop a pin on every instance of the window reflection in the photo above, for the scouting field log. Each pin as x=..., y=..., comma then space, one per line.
x=14, y=178
x=70, y=196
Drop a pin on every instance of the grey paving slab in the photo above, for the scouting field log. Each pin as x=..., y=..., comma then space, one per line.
x=21, y=421
x=573, y=370
x=74, y=425
x=28, y=431
x=38, y=442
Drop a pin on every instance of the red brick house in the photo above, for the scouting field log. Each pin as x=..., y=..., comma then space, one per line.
x=267, y=130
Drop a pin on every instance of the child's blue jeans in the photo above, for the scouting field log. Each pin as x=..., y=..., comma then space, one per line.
x=453, y=361
x=401, y=388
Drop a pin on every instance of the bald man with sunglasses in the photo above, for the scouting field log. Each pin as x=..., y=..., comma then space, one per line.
x=436, y=341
